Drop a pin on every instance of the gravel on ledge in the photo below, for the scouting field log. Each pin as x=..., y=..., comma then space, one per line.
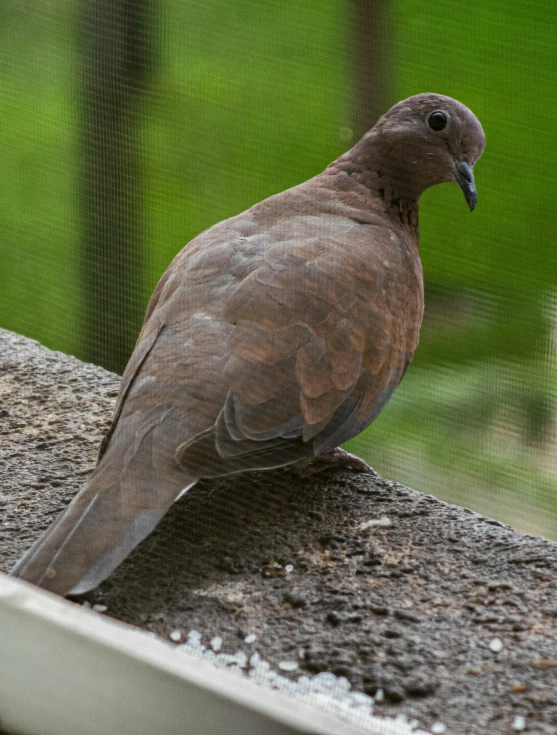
x=445, y=617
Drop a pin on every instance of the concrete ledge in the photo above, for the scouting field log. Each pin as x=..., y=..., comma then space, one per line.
x=443, y=615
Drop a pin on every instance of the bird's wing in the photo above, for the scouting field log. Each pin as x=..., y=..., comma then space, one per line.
x=318, y=336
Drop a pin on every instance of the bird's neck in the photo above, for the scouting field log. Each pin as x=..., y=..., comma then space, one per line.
x=377, y=180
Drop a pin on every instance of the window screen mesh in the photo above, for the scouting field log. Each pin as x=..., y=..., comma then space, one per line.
x=129, y=127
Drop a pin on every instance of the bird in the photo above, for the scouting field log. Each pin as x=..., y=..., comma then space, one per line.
x=272, y=338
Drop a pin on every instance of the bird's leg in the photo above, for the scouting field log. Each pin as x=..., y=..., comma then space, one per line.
x=334, y=459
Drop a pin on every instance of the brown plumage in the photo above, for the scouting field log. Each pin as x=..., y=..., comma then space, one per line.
x=272, y=337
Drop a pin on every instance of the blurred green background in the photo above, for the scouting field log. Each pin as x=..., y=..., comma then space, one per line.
x=240, y=100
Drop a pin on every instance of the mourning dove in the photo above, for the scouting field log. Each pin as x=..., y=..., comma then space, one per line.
x=272, y=338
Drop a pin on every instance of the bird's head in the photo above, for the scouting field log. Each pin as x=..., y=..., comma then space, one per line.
x=429, y=139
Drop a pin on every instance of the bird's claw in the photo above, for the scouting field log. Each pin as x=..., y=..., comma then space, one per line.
x=335, y=459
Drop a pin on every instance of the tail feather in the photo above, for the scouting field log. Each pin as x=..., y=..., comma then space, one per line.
x=89, y=540
x=132, y=487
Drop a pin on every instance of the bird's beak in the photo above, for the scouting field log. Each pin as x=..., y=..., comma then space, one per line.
x=465, y=179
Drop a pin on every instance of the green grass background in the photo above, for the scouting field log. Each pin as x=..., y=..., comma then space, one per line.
x=251, y=98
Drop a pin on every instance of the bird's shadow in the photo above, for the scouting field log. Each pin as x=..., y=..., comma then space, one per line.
x=223, y=530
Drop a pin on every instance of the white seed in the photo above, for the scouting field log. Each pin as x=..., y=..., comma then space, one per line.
x=496, y=645
x=216, y=643
x=288, y=665
x=250, y=638
x=176, y=636
x=438, y=728
x=289, y=568
x=382, y=522
x=519, y=722
x=100, y=608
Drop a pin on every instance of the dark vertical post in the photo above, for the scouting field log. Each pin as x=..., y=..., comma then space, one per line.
x=372, y=63
x=114, y=43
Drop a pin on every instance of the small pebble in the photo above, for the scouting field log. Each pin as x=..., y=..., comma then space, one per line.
x=289, y=568
x=288, y=665
x=176, y=636
x=496, y=645
x=295, y=599
x=250, y=638
x=100, y=608
x=438, y=728
x=333, y=617
x=519, y=722
x=216, y=643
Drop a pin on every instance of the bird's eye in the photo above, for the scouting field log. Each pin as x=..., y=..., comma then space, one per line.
x=437, y=121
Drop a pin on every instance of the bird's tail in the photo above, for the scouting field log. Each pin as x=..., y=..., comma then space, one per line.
x=120, y=505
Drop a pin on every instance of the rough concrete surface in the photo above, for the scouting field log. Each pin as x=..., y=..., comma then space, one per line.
x=390, y=588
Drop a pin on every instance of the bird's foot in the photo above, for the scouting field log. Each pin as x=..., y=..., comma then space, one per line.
x=335, y=459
